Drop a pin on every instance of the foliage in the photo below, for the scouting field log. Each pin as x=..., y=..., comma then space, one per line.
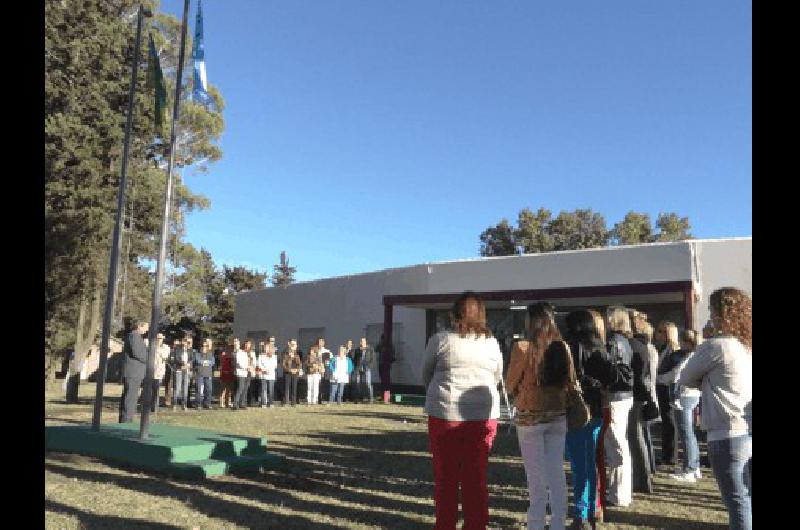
x=499, y=240
x=579, y=229
x=218, y=325
x=671, y=227
x=283, y=273
x=89, y=47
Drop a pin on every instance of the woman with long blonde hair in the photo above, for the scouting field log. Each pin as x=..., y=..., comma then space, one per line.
x=666, y=338
x=722, y=367
x=540, y=374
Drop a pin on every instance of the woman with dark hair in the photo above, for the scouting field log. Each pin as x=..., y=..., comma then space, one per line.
x=595, y=372
x=461, y=370
x=722, y=368
x=227, y=376
x=540, y=374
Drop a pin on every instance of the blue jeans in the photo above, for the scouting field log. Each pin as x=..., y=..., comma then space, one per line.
x=267, y=391
x=731, y=460
x=203, y=392
x=181, y=388
x=685, y=425
x=337, y=389
x=582, y=450
x=365, y=379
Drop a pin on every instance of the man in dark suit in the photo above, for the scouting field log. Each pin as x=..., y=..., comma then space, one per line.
x=135, y=357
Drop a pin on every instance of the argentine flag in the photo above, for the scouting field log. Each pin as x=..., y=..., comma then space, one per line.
x=200, y=89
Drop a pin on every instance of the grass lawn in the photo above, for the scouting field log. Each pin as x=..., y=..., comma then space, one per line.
x=351, y=466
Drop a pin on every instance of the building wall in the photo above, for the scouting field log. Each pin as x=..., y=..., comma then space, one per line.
x=345, y=306
x=721, y=263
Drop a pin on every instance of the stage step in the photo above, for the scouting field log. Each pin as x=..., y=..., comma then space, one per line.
x=169, y=448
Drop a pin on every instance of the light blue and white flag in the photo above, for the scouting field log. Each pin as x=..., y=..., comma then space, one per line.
x=200, y=89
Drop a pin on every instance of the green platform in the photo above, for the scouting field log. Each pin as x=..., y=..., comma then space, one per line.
x=172, y=449
x=409, y=399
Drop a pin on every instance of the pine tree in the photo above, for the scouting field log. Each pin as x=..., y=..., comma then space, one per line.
x=284, y=274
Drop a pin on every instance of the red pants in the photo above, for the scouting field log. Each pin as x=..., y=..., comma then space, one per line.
x=601, y=462
x=460, y=452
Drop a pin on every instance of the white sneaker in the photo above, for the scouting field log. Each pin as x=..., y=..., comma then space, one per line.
x=697, y=474
x=684, y=477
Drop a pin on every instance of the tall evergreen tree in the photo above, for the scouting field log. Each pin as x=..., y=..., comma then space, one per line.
x=88, y=58
x=284, y=274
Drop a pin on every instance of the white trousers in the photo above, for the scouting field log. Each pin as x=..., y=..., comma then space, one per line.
x=542, y=448
x=619, y=490
x=312, y=395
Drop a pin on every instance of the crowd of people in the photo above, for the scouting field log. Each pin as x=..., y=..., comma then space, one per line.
x=626, y=373
x=248, y=377
x=591, y=390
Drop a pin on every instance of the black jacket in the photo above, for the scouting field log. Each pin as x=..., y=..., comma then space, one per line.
x=595, y=372
x=621, y=354
x=135, y=356
x=640, y=363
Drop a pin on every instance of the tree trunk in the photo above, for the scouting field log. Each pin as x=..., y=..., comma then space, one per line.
x=79, y=353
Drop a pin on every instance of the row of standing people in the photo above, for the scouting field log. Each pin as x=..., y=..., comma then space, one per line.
x=245, y=376
x=614, y=366
x=248, y=377
x=175, y=367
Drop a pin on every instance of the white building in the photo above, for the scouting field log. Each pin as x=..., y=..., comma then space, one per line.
x=408, y=304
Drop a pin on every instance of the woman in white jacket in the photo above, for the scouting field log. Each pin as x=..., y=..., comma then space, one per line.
x=267, y=366
x=242, y=357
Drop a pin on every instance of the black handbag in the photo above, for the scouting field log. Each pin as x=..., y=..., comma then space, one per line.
x=650, y=411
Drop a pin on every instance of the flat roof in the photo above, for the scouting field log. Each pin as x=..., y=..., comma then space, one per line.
x=479, y=259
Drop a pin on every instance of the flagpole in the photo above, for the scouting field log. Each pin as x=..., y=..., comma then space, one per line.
x=147, y=391
x=112, y=268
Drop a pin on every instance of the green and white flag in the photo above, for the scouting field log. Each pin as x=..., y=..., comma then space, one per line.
x=155, y=79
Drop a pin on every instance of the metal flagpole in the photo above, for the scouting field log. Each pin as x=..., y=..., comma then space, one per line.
x=112, y=268
x=147, y=392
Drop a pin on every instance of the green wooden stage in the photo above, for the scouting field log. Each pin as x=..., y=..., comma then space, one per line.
x=413, y=400
x=170, y=449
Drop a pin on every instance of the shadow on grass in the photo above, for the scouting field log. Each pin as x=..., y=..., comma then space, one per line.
x=91, y=520
x=210, y=505
x=642, y=520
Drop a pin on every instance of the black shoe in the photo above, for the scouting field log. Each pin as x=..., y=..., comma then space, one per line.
x=580, y=524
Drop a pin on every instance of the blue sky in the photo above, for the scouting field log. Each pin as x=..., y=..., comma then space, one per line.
x=363, y=135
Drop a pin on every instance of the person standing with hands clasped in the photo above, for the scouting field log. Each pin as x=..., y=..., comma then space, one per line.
x=366, y=365
x=204, y=370
x=267, y=364
x=314, y=368
x=461, y=370
x=181, y=368
x=540, y=375
x=341, y=368
x=242, y=358
x=133, y=371
x=293, y=370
